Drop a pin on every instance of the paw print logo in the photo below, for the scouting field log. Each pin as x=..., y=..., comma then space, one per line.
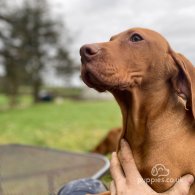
x=159, y=170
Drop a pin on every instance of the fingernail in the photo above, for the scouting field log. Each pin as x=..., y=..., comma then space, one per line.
x=113, y=154
x=122, y=142
x=190, y=179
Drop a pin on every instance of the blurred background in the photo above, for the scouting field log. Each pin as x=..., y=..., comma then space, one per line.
x=42, y=99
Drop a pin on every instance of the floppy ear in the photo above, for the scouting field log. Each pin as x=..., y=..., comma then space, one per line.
x=186, y=79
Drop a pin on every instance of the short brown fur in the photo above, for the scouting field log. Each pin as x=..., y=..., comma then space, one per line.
x=155, y=89
x=109, y=143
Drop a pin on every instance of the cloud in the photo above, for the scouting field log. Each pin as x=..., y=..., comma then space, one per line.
x=94, y=21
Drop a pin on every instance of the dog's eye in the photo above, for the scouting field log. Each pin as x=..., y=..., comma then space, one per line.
x=136, y=38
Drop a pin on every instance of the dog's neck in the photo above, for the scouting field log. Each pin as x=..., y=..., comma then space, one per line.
x=147, y=111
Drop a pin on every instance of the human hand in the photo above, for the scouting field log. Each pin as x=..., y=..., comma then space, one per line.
x=126, y=176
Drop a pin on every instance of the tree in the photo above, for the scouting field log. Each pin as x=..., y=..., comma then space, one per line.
x=9, y=52
x=30, y=43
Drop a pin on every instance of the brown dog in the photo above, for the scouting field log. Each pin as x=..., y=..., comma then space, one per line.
x=109, y=143
x=155, y=89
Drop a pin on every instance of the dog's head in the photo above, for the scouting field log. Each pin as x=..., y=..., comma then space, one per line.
x=137, y=58
x=124, y=61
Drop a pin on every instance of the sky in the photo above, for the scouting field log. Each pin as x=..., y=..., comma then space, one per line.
x=91, y=21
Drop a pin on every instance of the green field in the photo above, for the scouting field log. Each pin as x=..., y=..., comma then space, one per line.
x=69, y=125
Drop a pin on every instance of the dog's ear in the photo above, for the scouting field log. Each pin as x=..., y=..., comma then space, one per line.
x=185, y=81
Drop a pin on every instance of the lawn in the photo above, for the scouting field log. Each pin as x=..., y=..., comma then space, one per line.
x=69, y=125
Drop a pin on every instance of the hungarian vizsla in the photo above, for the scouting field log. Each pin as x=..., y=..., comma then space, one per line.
x=109, y=143
x=155, y=89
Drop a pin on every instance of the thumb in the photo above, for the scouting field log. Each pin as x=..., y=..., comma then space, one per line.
x=182, y=187
x=112, y=188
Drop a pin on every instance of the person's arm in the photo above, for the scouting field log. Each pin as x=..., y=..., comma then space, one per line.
x=126, y=176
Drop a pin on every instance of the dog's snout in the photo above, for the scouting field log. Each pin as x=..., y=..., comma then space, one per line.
x=89, y=51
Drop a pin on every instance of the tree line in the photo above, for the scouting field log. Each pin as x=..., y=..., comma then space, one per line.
x=30, y=43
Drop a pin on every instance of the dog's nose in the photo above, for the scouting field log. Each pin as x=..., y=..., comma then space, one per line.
x=89, y=51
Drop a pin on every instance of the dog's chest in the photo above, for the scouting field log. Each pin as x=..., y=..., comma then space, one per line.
x=155, y=170
x=162, y=168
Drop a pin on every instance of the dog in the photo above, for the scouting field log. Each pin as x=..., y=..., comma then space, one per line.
x=155, y=89
x=109, y=143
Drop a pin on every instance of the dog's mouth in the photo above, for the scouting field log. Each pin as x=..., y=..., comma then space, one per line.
x=92, y=80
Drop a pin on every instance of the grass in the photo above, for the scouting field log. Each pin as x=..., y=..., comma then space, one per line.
x=69, y=125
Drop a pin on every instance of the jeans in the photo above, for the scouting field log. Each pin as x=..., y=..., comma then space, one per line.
x=82, y=187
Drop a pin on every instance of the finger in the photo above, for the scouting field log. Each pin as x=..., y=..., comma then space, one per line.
x=112, y=188
x=182, y=187
x=115, y=169
x=128, y=163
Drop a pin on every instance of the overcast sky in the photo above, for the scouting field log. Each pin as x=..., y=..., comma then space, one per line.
x=96, y=20
x=91, y=21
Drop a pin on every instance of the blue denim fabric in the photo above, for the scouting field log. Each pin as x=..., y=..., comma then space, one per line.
x=82, y=187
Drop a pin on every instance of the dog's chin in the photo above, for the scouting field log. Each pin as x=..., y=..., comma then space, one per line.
x=92, y=81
